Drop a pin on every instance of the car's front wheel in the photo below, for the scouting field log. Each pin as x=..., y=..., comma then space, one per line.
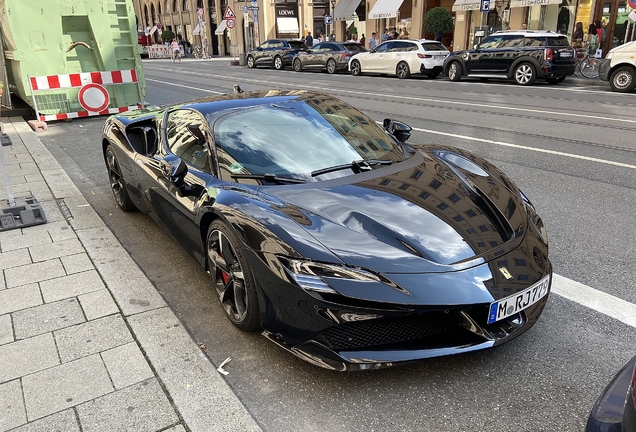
x=331, y=66
x=232, y=277
x=117, y=182
x=525, y=74
x=356, y=69
x=623, y=79
x=455, y=71
x=250, y=62
x=402, y=70
x=278, y=63
x=298, y=66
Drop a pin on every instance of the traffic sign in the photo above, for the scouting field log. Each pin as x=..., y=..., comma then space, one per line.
x=93, y=97
x=230, y=23
x=328, y=20
x=245, y=9
x=229, y=14
x=632, y=3
x=254, y=3
x=485, y=6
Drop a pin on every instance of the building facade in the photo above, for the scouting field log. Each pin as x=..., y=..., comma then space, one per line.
x=205, y=22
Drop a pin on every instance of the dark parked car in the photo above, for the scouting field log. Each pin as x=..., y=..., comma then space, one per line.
x=341, y=242
x=615, y=409
x=520, y=55
x=276, y=53
x=329, y=56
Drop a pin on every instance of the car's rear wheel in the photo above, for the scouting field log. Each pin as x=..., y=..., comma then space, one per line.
x=117, y=182
x=432, y=75
x=623, y=79
x=231, y=276
x=331, y=66
x=525, y=74
x=556, y=80
x=356, y=69
x=455, y=71
x=298, y=67
x=278, y=63
x=250, y=61
x=402, y=70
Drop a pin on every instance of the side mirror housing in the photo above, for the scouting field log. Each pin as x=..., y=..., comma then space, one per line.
x=174, y=169
x=401, y=131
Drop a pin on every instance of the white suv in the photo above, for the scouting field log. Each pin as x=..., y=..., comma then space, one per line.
x=401, y=57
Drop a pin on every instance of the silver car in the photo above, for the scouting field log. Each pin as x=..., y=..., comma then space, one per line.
x=402, y=58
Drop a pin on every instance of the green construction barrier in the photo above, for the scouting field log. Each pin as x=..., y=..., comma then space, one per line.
x=57, y=37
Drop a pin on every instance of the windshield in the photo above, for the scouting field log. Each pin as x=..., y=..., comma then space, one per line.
x=296, y=138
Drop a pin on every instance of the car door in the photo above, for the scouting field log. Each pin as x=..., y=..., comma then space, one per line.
x=372, y=62
x=508, y=51
x=397, y=53
x=320, y=56
x=261, y=53
x=481, y=59
x=174, y=200
x=275, y=47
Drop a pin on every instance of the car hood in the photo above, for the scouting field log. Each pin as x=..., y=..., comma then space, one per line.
x=421, y=215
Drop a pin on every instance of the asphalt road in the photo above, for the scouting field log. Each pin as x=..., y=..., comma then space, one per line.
x=570, y=147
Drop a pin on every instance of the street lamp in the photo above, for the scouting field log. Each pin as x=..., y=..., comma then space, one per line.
x=333, y=9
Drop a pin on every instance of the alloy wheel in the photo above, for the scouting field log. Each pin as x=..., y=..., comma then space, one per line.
x=524, y=74
x=278, y=63
x=355, y=68
x=250, y=61
x=117, y=184
x=402, y=70
x=454, y=73
x=331, y=66
x=297, y=65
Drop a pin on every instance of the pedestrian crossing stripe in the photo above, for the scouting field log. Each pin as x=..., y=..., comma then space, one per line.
x=229, y=13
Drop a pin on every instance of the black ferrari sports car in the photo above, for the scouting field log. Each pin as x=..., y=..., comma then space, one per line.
x=344, y=244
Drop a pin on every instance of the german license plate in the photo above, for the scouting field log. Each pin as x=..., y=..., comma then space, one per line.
x=566, y=54
x=517, y=302
x=439, y=57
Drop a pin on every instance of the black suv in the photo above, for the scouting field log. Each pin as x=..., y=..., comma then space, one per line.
x=276, y=53
x=520, y=55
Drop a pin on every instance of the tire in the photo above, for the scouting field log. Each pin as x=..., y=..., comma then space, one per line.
x=297, y=65
x=332, y=68
x=432, y=75
x=356, y=69
x=117, y=181
x=525, y=74
x=590, y=68
x=402, y=70
x=455, y=71
x=623, y=79
x=250, y=62
x=278, y=63
x=233, y=281
x=557, y=80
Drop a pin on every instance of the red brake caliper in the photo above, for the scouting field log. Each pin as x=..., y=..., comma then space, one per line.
x=224, y=275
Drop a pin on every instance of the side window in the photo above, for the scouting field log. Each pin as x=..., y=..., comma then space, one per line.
x=512, y=42
x=383, y=47
x=317, y=47
x=265, y=45
x=491, y=42
x=328, y=47
x=277, y=44
x=409, y=46
x=189, y=138
x=534, y=42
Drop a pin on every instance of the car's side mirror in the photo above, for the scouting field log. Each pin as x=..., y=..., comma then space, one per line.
x=174, y=169
x=401, y=131
x=309, y=51
x=260, y=48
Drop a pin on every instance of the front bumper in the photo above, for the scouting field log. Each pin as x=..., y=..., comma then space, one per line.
x=604, y=70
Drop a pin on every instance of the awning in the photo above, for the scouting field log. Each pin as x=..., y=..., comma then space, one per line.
x=221, y=28
x=526, y=3
x=344, y=10
x=287, y=25
x=466, y=5
x=385, y=9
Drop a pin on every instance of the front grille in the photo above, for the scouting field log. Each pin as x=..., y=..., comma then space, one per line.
x=383, y=331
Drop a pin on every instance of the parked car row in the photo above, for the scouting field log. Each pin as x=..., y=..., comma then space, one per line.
x=522, y=56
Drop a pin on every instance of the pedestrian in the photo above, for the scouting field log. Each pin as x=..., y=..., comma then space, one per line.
x=309, y=41
x=362, y=40
x=373, y=40
x=577, y=36
x=321, y=37
x=524, y=26
x=385, y=35
x=599, y=32
x=175, y=48
x=592, y=40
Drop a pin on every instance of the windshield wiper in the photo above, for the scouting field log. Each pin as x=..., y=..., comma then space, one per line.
x=268, y=177
x=357, y=166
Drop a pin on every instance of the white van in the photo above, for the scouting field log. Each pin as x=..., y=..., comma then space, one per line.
x=619, y=68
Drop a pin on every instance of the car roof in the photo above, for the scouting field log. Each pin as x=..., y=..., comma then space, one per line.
x=540, y=33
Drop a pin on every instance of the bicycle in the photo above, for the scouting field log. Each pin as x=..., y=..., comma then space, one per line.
x=176, y=56
x=588, y=65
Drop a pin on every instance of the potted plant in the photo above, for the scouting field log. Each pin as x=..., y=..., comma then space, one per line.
x=438, y=21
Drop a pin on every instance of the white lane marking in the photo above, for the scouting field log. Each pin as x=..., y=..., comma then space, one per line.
x=594, y=299
x=184, y=86
x=420, y=99
x=540, y=150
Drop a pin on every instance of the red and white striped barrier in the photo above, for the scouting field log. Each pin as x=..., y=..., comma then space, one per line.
x=159, y=51
x=93, y=96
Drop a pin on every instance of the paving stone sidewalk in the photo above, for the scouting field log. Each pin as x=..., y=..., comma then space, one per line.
x=86, y=341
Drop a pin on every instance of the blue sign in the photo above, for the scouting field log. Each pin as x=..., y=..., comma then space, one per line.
x=485, y=6
x=245, y=9
x=329, y=19
x=254, y=3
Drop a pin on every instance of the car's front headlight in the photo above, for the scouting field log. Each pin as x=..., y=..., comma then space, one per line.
x=308, y=274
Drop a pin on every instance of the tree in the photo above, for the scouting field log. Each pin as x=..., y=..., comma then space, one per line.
x=167, y=36
x=437, y=21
